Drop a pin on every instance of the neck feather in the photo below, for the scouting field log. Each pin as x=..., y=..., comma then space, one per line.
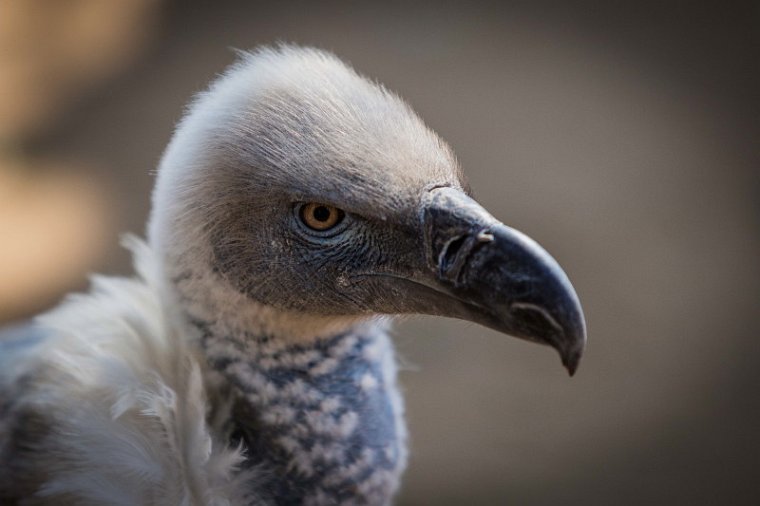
x=322, y=419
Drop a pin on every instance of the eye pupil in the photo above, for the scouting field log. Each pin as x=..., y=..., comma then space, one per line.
x=321, y=213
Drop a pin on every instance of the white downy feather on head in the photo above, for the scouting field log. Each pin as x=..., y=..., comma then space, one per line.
x=283, y=123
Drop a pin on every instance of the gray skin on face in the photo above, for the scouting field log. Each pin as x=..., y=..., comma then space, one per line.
x=261, y=244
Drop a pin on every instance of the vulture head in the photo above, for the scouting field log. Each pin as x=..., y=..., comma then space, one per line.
x=298, y=198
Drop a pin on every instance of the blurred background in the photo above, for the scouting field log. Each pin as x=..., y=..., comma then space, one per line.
x=622, y=137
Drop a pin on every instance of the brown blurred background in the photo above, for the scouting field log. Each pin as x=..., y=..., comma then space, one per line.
x=623, y=138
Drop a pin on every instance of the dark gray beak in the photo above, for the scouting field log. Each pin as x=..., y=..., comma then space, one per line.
x=486, y=272
x=471, y=266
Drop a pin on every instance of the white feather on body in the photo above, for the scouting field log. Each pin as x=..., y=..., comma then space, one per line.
x=127, y=403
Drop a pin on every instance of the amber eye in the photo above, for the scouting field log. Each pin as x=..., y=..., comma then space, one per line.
x=320, y=217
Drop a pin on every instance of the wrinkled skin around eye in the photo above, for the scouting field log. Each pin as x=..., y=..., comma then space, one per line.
x=276, y=259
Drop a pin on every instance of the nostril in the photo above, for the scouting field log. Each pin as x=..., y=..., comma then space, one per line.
x=454, y=256
x=449, y=253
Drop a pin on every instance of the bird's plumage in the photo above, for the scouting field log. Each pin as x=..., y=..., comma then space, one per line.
x=111, y=405
x=249, y=361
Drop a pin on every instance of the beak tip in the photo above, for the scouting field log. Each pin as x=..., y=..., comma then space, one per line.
x=571, y=358
x=571, y=368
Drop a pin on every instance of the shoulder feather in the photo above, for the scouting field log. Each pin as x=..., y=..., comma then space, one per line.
x=124, y=401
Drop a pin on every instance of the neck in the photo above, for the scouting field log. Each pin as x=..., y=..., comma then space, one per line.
x=321, y=418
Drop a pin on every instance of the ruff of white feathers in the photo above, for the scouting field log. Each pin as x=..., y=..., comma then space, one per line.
x=128, y=402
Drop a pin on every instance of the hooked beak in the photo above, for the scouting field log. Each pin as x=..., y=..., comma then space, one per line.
x=480, y=270
x=502, y=278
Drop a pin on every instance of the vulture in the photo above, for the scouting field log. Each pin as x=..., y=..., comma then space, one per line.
x=298, y=207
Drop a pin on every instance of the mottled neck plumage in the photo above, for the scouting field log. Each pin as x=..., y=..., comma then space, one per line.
x=323, y=420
